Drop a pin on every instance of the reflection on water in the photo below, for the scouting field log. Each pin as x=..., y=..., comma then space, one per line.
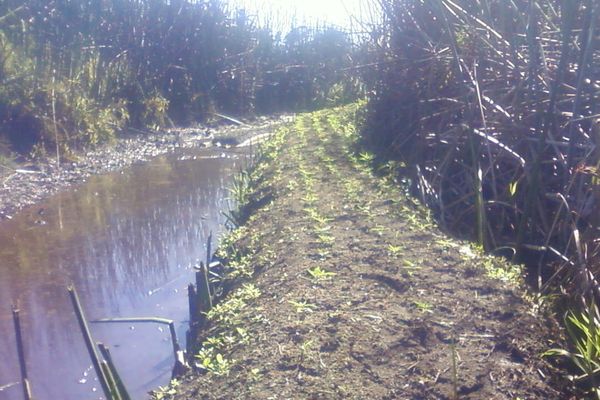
x=127, y=241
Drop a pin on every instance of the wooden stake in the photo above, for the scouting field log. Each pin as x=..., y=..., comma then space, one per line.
x=203, y=288
x=209, y=249
x=192, y=300
x=174, y=341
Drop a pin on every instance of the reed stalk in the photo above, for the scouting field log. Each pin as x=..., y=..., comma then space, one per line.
x=528, y=94
x=21, y=353
x=116, y=378
x=109, y=391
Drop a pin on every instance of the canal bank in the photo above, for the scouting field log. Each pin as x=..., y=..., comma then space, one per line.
x=30, y=181
x=337, y=284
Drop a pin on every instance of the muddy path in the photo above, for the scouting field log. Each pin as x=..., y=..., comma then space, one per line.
x=29, y=181
x=342, y=287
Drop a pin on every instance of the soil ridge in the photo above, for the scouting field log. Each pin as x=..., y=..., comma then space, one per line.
x=341, y=286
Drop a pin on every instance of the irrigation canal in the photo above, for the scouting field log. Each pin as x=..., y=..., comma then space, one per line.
x=127, y=241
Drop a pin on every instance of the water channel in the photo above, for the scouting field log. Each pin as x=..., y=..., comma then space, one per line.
x=127, y=241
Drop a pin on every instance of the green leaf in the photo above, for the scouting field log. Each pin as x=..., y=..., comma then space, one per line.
x=512, y=188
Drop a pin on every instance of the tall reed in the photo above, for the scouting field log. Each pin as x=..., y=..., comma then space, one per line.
x=77, y=72
x=494, y=105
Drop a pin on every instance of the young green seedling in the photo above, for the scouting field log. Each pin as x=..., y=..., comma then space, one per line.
x=318, y=274
x=302, y=306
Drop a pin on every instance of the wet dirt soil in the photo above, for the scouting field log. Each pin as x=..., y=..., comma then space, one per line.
x=357, y=295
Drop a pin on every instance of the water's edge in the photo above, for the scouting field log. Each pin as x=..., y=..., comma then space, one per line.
x=127, y=240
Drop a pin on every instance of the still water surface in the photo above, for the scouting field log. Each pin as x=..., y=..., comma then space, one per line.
x=127, y=241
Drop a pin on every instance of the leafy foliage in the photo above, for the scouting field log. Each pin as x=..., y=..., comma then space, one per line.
x=492, y=107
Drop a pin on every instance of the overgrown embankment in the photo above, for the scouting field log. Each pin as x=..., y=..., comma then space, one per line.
x=340, y=286
x=75, y=73
x=493, y=106
x=25, y=184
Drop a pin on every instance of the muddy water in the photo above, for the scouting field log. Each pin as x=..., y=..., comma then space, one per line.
x=127, y=241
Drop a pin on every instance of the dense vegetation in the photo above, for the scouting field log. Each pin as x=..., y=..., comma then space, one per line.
x=493, y=105
x=77, y=72
x=493, y=108
x=490, y=105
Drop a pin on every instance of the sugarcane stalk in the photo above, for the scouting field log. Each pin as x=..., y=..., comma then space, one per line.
x=587, y=51
x=568, y=20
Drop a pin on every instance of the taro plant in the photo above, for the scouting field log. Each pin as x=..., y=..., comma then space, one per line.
x=240, y=191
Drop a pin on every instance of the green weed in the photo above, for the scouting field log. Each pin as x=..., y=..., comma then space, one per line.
x=302, y=306
x=395, y=251
x=422, y=306
x=165, y=392
x=228, y=312
x=409, y=267
x=502, y=271
x=325, y=239
x=310, y=198
x=378, y=229
x=214, y=362
x=366, y=157
x=318, y=274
